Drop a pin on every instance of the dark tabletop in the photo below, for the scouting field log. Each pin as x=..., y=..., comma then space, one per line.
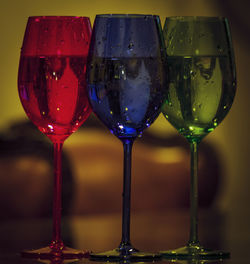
x=149, y=232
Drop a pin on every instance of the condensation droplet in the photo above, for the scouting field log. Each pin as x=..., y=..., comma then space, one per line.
x=192, y=74
x=130, y=46
x=219, y=48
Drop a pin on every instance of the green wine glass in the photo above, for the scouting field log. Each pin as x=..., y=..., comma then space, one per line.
x=201, y=90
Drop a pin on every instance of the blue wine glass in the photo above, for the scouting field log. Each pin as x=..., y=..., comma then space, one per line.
x=126, y=80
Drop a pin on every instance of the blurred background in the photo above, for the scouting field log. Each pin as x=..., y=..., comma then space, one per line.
x=95, y=156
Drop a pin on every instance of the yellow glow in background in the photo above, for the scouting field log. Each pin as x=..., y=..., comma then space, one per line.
x=231, y=136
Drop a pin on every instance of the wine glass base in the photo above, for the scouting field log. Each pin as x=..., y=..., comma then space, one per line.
x=194, y=251
x=48, y=253
x=132, y=255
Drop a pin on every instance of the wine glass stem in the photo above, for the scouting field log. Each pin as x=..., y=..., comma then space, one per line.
x=193, y=239
x=126, y=195
x=57, y=195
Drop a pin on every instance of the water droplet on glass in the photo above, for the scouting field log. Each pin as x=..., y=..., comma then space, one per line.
x=219, y=49
x=51, y=128
x=130, y=46
x=192, y=74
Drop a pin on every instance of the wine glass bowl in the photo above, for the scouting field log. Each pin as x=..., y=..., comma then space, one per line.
x=202, y=80
x=125, y=77
x=125, y=74
x=201, y=90
x=52, y=90
x=52, y=85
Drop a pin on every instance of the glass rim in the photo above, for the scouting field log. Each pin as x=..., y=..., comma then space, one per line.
x=195, y=18
x=126, y=15
x=57, y=17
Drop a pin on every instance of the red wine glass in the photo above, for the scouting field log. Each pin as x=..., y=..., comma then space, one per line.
x=52, y=89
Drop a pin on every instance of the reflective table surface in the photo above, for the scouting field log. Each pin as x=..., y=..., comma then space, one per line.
x=149, y=232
